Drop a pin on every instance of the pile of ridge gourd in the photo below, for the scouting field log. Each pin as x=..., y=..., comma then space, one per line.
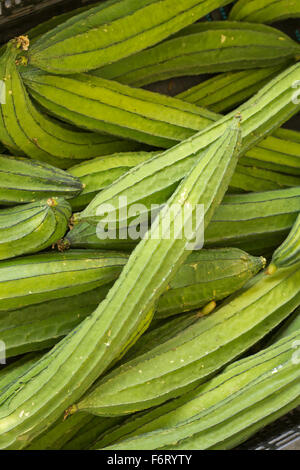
x=144, y=342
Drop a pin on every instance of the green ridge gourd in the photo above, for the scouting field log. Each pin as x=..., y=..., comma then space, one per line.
x=257, y=223
x=30, y=228
x=206, y=276
x=23, y=180
x=182, y=363
x=265, y=11
x=39, y=136
x=67, y=371
x=226, y=90
x=141, y=114
x=81, y=428
x=146, y=183
x=223, y=412
x=97, y=174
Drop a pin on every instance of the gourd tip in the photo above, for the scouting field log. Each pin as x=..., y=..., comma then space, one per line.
x=208, y=308
x=63, y=244
x=271, y=269
x=70, y=411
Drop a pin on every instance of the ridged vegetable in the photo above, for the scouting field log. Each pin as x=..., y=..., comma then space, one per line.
x=64, y=374
x=205, y=47
x=289, y=252
x=34, y=279
x=222, y=413
x=291, y=325
x=39, y=136
x=100, y=105
x=227, y=90
x=76, y=433
x=182, y=363
x=113, y=30
x=23, y=180
x=42, y=28
x=148, y=116
x=84, y=235
x=278, y=152
x=257, y=220
x=97, y=174
x=265, y=11
x=81, y=430
x=87, y=435
x=257, y=223
x=153, y=181
x=29, y=228
x=100, y=172
x=207, y=275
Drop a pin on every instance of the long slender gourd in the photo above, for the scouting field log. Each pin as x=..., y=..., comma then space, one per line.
x=205, y=47
x=64, y=374
x=206, y=276
x=146, y=183
x=288, y=252
x=225, y=411
x=29, y=228
x=81, y=430
x=113, y=30
x=257, y=223
x=42, y=28
x=98, y=104
x=39, y=136
x=182, y=363
x=227, y=90
x=278, y=152
x=47, y=276
x=265, y=11
x=23, y=180
x=97, y=174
